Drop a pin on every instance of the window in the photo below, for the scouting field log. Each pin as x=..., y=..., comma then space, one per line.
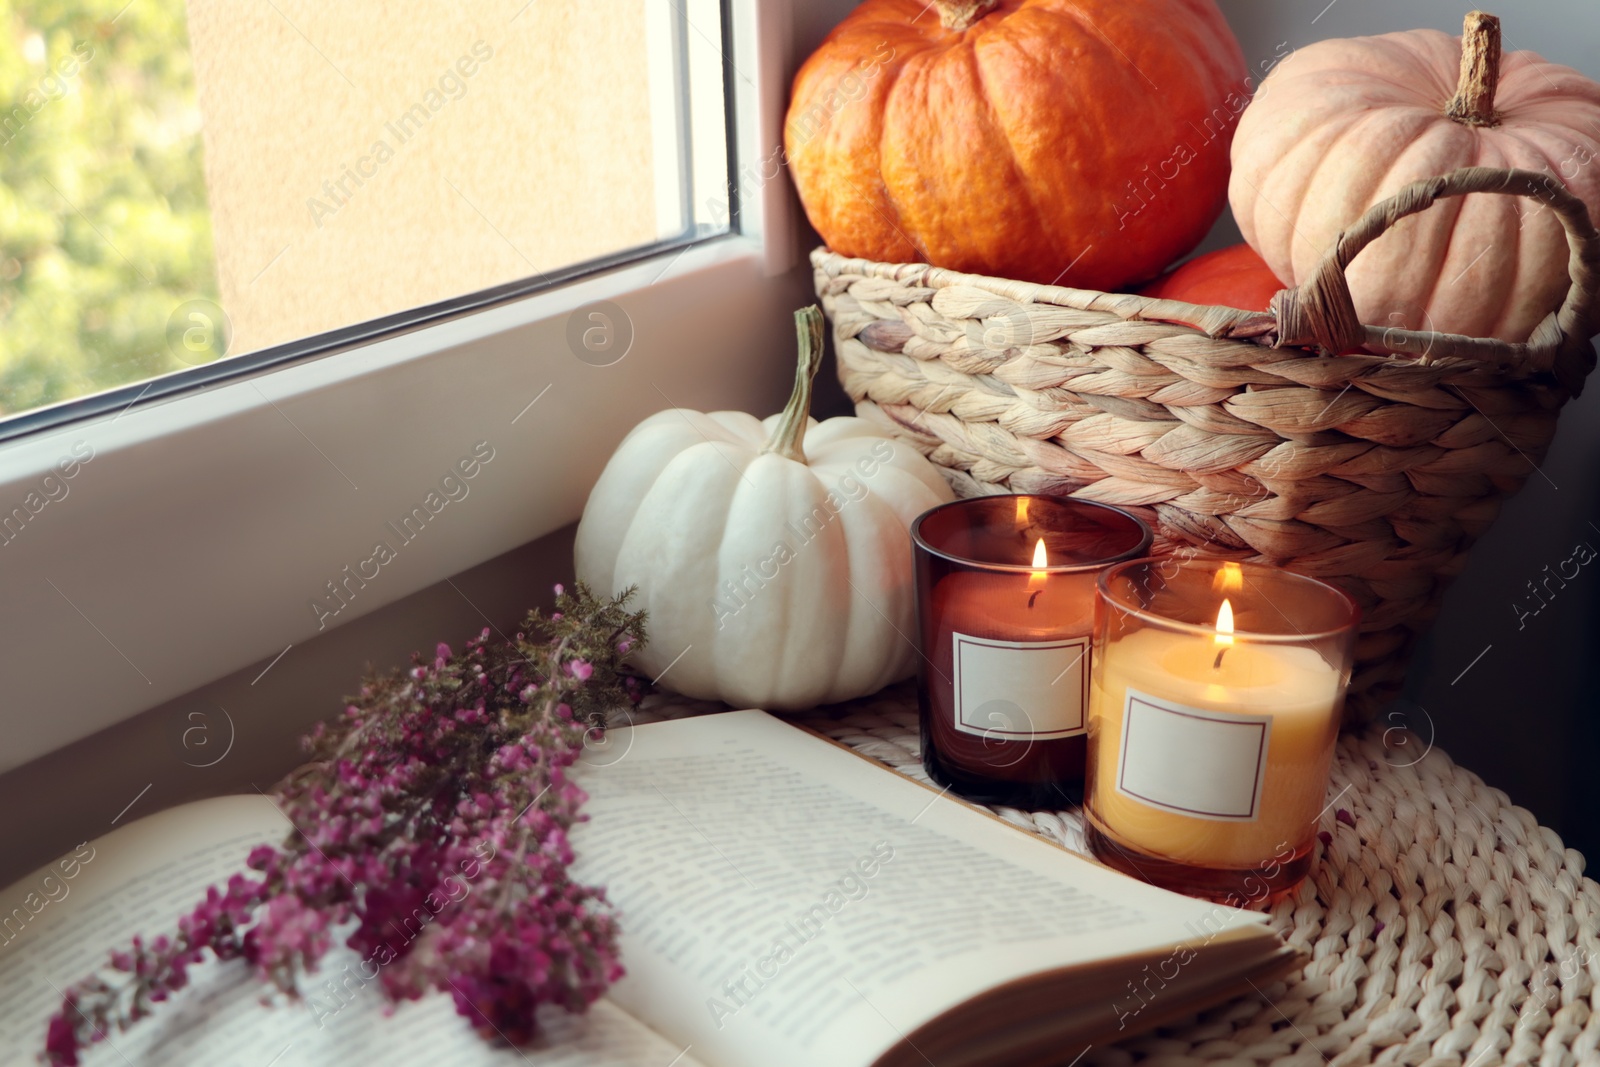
x=204, y=181
x=210, y=507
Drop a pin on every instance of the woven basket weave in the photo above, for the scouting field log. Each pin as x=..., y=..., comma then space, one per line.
x=1235, y=434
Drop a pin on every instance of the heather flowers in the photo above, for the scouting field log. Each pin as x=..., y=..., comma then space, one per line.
x=431, y=837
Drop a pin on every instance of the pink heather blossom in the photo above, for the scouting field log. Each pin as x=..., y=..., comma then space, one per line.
x=436, y=811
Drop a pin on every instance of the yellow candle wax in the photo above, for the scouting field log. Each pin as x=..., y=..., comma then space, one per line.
x=1227, y=758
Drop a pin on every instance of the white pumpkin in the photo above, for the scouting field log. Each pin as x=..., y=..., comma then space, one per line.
x=773, y=557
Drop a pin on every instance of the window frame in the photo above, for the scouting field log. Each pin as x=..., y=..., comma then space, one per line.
x=193, y=381
x=188, y=547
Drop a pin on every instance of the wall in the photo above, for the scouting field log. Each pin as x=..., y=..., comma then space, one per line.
x=369, y=157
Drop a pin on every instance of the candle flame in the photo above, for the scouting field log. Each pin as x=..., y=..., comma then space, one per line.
x=1022, y=510
x=1041, y=560
x=1225, y=624
x=1230, y=579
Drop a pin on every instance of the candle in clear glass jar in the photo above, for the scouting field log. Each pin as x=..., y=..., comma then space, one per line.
x=1210, y=742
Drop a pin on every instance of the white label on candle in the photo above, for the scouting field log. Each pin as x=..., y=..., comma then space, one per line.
x=1021, y=690
x=1204, y=764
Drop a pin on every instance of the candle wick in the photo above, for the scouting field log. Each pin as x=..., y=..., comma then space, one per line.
x=1034, y=596
x=1217, y=663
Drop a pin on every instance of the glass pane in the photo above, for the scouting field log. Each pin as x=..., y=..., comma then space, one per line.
x=182, y=182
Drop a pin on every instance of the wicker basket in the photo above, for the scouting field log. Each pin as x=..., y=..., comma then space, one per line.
x=1239, y=436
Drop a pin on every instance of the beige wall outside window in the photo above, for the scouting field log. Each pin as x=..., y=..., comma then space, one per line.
x=371, y=156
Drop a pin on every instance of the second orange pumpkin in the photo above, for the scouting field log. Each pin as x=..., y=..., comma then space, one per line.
x=1232, y=277
x=1075, y=142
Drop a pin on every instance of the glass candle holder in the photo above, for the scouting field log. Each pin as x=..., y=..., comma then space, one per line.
x=1005, y=607
x=1214, y=707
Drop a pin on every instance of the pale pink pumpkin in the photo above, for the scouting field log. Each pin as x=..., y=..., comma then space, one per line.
x=1342, y=124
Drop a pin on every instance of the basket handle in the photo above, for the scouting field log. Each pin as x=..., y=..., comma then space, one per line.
x=1322, y=312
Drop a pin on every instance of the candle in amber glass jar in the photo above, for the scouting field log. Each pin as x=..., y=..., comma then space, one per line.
x=1005, y=604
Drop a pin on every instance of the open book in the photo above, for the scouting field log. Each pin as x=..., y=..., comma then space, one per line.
x=784, y=902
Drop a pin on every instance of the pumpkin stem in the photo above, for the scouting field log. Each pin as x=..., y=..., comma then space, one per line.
x=959, y=15
x=788, y=437
x=1473, y=104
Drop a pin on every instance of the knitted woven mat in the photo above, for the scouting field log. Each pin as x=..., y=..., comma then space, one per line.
x=1444, y=924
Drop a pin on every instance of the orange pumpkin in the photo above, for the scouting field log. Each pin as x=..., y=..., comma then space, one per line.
x=1079, y=142
x=1234, y=277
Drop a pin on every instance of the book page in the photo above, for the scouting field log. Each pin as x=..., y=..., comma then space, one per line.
x=56, y=926
x=785, y=902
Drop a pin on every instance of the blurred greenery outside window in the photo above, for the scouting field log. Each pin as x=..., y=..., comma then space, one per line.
x=105, y=232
